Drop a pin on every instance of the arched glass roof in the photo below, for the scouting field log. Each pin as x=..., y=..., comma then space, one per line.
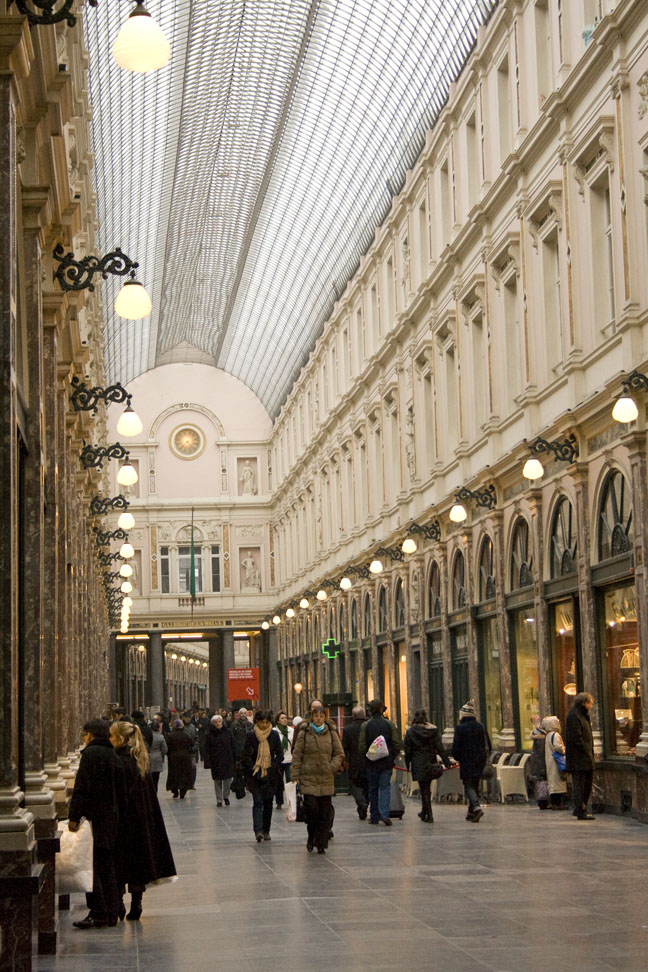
x=249, y=174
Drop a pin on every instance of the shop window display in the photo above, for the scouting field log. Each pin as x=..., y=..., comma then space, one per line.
x=526, y=667
x=490, y=661
x=565, y=672
x=621, y=668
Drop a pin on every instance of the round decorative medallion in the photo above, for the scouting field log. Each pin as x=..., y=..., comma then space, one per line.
x=187, y=442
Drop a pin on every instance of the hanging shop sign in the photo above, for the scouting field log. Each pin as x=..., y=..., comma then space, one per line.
x=242, y=683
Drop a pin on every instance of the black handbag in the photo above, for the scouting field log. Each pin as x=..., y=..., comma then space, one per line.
x=436, y=771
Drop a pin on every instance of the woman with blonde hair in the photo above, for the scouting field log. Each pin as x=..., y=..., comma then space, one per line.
x=143, y=851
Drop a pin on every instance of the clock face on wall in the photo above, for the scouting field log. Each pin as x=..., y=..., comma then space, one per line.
x=187, y=442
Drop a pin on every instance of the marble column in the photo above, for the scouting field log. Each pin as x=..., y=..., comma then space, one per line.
x=216, y=693
x=506, y=740
x=471, y=623
x=543, y=641
x=227, y=657
x=446, y=649
x=155, y=692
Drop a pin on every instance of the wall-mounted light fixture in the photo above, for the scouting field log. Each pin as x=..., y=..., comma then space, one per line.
x=625, y=408
x=92, y=457
x=565, y=450
x=132, y=301
x=431, y=531
x=107, y=558
x=103, y=538
x=100, y=506
x=481, y=497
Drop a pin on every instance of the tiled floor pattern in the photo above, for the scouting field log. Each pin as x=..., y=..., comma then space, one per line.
x=522, y=891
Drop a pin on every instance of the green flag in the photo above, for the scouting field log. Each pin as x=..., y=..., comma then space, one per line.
x=192, y=573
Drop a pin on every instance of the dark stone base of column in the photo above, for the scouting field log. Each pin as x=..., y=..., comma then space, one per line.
x=47, y=942
x=64, y=902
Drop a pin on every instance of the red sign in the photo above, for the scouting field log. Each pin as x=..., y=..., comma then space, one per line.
x=242, y=683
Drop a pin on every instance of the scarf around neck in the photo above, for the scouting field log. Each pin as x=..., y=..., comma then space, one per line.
x=284, y=736
x=262, y=764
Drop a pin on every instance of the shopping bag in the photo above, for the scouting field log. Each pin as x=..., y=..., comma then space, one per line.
x=74, y=860
x=378, y=749
x=290, y=790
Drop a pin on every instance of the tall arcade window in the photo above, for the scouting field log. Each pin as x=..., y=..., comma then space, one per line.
x=366, y=624
x=521, y=556
x=341, y=623
x=354, y=620
x=434, y=592
x=486, y=571
x=615, y=518
x=399, y=605
x=563, y=540
x=382, y=610
x=458, y=583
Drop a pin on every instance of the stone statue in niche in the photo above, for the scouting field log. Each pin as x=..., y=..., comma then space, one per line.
x=414, y=596
x=642, y=86
x=247, y=480
x=409, y=444
x=250, y=576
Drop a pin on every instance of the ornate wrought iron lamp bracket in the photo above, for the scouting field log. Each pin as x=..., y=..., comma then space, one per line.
x=482, y=497
x=86, y=399
x=93, y=456
x=100, y=505
x=75, y=275
x=103, y=539
x=565, y=450
x=431, y=531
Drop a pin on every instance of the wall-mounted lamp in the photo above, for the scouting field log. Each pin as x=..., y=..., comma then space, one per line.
x=103, y=538
x=625, y=408
x=126, y=551
x=107, y=558
x=376, y=567
x=481, y=497
x=304, y=603
x=126, y=521
x=276, y=619
x=265, y=624
x=346, y=584
x=126, y=587
x=564, y=450
x=321, y=594
x=132, y=301
x=395, y=553
x=99, y=506
x=92, y=457
x=431, y=531
x=127, y=475
x=290, y=613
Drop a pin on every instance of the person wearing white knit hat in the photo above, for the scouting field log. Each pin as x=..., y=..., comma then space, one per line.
x=470, y=748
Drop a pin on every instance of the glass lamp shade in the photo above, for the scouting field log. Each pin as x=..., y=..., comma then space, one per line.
x=321, y=595
x=125, y=570
x=290, y=613
x=346, y=584
x=174, y=655
x=298, y=687
x=140, y=44
x=376, y=567
x=127, y=475
x=126, y=587
x=458, y=513
x=126, y=551
x=125, y=614
x=129, y=423
x=126, y=521
x=124, y=629
x=128, y=601
x=183, y=657
x=132, y=302
x=533, y=469
x=304, y=603
x=276, y=619
x=205, y=665
x=265, y=625
x=625, y=410
x=409, y=545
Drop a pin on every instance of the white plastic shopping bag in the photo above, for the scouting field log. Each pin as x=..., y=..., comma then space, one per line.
x=74, y=860
x=290, y=790
x=378, y=749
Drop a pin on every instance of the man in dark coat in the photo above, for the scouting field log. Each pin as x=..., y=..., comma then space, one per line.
x=144, y=728
x=580, y=752
x=470, y=748
x=357, y=773
x=240, y=728
x=180, y=775
x=219, y=752
x=99, y=791
x=379, y=771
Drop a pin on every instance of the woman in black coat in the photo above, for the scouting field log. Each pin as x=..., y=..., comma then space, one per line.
x=143, y=851
x=180, y=774
x=220, y=757
x=262, y=759
x=422, y=746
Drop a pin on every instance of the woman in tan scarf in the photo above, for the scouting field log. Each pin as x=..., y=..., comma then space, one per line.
x=262, y=758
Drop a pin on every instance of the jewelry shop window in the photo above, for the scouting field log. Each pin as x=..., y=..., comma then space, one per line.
x=621, y=670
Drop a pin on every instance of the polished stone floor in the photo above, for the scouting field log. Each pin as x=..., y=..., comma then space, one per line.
x=522, y=891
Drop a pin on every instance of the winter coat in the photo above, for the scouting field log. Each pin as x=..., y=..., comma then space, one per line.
x=578, y=740
x=316, y=759
x=371, y=729
x=356, y=767
x=219, y=753
x=143, y=850
x=422, y=746
x=269, y=783
x=159, y=749
x=240, y=731
x=554, y=744
x=470, y=748
x=180, y=775
x=287, y=753
x=99, y=791
x=147, y=732
x=537, y=766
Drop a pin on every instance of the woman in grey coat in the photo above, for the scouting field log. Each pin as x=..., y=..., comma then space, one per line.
x=159, y=750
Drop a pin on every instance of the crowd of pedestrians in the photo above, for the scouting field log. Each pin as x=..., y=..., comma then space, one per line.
x=117, y=780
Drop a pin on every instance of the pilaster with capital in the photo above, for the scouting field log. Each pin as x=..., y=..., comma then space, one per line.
x=543, y=641
x=507, y=734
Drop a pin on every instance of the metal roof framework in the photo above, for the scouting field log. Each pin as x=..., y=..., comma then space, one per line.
x=248, y=176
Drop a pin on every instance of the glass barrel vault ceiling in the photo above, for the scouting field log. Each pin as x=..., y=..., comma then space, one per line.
x=249, y=174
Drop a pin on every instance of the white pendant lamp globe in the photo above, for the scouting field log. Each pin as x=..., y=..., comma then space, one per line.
x=376, y=567
x=290, y=613
x=126, y=521
x=126, y=587
x=458, y=513
x=125, y=570
x=129, y=423
x=346, y=584
x=127, y=475
x=124, y=629
x=625, y=410
x=140, y=44
x=265, y=625
x=409, y=545
x=126, y=551
x=276, y=619
x=533, y=469
x=128, y=601
x=321, y=594
x=304, y=603
x=132, y=302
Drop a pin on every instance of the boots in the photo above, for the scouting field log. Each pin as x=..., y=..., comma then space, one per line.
x=136, y=906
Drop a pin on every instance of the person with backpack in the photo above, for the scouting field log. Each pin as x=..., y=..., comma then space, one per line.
x=379, y=744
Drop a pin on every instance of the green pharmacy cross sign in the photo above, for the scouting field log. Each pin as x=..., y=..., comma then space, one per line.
x=331, y=648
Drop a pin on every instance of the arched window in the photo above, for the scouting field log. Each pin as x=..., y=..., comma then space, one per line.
x=563, y=540
x=316, y=637
x=458, y=583
x=382, y=610
x=354, y=620
x=486, y=575
x=434, y=592
x=521, y=556
x=399, y=605
x=366, y=626
x=331, y=633
x=341, y=622
x=615, y=517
